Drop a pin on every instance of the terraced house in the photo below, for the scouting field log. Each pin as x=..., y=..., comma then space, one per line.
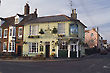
x=11, y=32
x=58, y=35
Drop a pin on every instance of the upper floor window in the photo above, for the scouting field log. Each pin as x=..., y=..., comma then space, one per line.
x=0, y=32
x=34, y=29
x=61, y=28
x=20, y=31
x=18, y=19
x=10, y=32
x=5, y=33
x=33, y=47
x=4, y=46
x=73, y=29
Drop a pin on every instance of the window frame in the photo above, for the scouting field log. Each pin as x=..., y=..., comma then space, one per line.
x=1, y=32
x=19, y=31
x=4, y=43
x=5, y=32
x=31, y=47
x=59, y=28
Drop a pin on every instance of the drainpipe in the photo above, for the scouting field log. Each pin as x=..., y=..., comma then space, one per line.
x=77, y=49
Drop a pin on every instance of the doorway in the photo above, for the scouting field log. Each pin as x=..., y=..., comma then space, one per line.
x=19, y=51
x=47, y=46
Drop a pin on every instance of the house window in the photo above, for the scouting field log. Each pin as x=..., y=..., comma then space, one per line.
x=13, y=46
x=61, y=28
x=14, y=31
x=73, y=29
x=34, y=30
x=4, y=46
x=9, y=46
x=0, y=32
x=16, y=20
x=20, y=31
x=10, y=32
x=5, y=33
x=33, y=47
x=41, y=47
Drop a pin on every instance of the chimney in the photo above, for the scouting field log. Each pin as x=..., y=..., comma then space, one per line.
x=26, y=9
x=74, y=14
x=35, y=12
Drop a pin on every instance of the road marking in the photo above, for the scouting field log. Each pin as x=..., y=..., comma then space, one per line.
x=107, y=67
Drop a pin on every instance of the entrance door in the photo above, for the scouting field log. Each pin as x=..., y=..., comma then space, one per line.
x=47, y=51
x=19, y=52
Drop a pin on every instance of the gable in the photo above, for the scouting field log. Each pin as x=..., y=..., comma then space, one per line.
x=18, y=19
x=1, y=22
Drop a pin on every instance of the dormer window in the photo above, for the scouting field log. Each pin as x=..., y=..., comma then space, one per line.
x=18, y=19
x=1, y=21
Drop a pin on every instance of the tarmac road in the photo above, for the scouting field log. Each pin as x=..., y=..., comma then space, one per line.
x=91, y=64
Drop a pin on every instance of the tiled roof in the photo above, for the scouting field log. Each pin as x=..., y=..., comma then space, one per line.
x=55, y=18
x=31, y=18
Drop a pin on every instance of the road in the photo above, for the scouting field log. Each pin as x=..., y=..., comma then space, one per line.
x=91, y=64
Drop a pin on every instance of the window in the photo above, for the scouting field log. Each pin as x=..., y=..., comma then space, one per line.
x=34, y=29
x=0, y=32
x=11, y=47
x=41, y=48
x=10, y=32
x=5, y=33
x=73, y=29
x=4, y=46
x=61, y=28
x=20, y=31
x=33, y=47
x=16, y=20
x=14, y=31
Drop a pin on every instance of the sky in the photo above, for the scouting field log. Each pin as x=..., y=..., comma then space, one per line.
x=93, y=13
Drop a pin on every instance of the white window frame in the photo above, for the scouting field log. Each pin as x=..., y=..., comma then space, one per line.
x=11, y=32
x=11, y=47
x=59, y=28
x=3, y=46
x=5, y=32
x=20, y=36
x=30, y=46
x=1, y=32
x=33, y=31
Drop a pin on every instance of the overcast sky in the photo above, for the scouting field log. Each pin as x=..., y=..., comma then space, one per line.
x=92, y=13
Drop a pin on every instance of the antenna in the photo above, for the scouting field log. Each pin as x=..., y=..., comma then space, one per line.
x=71, y=4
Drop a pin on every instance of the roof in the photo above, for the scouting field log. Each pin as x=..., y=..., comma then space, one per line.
x=31, y=18
x=11, y=20
x=54, y=18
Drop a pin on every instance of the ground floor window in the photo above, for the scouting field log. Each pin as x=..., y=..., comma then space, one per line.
x=33, y=47
x=11, y=47
x=41, y=48
x=4, y=46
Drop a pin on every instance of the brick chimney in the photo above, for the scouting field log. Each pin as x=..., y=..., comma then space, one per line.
x=35, y=12
x=26, y=9
x=74, y=14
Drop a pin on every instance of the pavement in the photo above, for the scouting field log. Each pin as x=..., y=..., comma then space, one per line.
x=95, y=63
